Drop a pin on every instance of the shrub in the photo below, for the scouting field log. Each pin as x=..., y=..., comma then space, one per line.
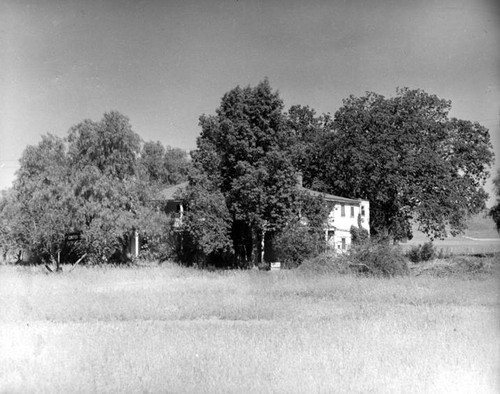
x=379, y=259
x=327, y=263
x=423, y=252
x=159, y=247
x=414, y=254
x=471, y=264
x=375, y=259
x=427, y=252
x=359, y=235
x=465, y=266
x=296, y=244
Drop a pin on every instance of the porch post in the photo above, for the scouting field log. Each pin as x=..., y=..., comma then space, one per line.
x=136, y=243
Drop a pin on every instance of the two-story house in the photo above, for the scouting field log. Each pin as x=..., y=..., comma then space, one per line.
x=344, y=213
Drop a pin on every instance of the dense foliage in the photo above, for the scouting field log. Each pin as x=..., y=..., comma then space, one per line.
x=404, y=154
x=495, y=211
x=424, y=252
x=409, y=159
x=379, y=259
x=163, y=166
x=88, y=184
x=205, y=237
x=296, y=243
x=242, y=150
x=369, y=258
x=307, y=132
x=359, y=235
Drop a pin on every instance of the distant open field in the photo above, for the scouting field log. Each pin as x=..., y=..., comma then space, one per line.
x=481, y=236
x=171, y=329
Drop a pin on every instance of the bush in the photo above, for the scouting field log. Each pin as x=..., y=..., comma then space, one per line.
x=427, y=252
x=465, y=266
x=374, y=259
x=327, y=263
x=471, y=264
x=379, y=259
x=423, y=252
x=296, y=244
x=414, y=254
x=359, y=235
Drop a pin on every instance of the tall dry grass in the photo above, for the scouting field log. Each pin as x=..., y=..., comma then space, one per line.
x=172, y=329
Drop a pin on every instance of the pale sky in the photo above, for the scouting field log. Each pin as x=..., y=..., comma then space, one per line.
x=164, y=63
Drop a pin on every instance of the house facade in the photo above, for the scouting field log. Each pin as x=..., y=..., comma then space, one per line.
x=171, y=205
x=343, y=214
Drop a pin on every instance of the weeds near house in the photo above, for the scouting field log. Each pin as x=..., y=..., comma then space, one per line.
x=462, y=266
x=423, y=252
x=328, y=262
x=371, y=259
x=380, y=259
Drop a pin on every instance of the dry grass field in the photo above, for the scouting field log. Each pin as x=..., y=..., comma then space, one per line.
x=177, y=330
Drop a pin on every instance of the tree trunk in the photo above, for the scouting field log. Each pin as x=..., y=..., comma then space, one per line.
x=262, y=246
x=255, y=249
x=56, y=262
x=58, y=265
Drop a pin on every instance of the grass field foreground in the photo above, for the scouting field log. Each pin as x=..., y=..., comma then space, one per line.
x=172, y=329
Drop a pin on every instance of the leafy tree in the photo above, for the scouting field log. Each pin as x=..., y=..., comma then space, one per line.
x=110, y=210
x=410, y=160
x=8, y=219
x=109, y=145
x=177, y=164
x=243, y=151
x=114, y=199
x=164, y=166
x=44, y=200
x=296, y=243
x=495, y=211
x=151, y=162
x=206, y=227
x=303, y=237
x=307, y=130
x=87, y=183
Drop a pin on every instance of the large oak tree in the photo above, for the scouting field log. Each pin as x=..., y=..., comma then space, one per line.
x=409, y=159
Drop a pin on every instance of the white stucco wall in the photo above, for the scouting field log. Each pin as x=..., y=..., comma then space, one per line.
x=340, y=220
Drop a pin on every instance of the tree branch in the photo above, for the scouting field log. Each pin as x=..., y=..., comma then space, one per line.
x=77, y=262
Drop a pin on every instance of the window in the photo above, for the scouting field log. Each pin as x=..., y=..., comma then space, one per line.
x=362, y=210
x=352, y=212
x=343, y=243
x=342, y=210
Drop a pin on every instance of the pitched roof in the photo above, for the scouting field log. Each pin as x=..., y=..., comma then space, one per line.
x=330, y=197
x=170, y=192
